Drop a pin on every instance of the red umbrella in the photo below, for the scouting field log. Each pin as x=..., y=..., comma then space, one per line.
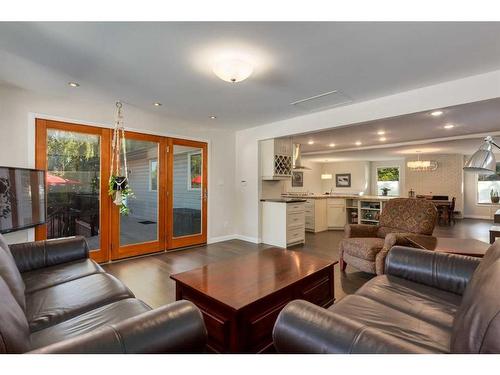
x=196, y=180
x=57, y=180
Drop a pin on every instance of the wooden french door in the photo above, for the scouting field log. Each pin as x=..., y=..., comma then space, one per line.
x=76, y=158
x=187, y=193
x=168, y=177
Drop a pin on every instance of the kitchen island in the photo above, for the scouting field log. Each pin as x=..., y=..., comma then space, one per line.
x=283, y=221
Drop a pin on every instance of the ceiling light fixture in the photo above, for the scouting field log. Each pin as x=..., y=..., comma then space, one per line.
x=449, y=126
x=381, y=132
x=332, y=145
x=382, y=139
x=358, y=143
x=326, y=176
x=213, y=117
x=73, y=84
x=233, y=70
x=421, y=165
x=310, y=142
x=436, y=113
x=157, y=104
x=483, y=160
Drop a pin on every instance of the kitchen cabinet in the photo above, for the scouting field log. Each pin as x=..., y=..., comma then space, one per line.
x=336, y=213
x=276, y=158
x=283, y=223
x=315, y=213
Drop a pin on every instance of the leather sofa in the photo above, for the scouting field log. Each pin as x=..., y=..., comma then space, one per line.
x=427, y=302
x=54, y=299
x=365, y=246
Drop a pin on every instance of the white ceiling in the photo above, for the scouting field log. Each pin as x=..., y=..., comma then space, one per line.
x=170, y=62
x=407, y=134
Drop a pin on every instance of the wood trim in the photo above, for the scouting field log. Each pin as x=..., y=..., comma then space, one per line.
x=41, y=163
x=177, y=242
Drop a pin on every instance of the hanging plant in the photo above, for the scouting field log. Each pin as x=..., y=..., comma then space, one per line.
x=119, y=188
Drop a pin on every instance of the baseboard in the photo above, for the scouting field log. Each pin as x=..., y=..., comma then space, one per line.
x=483, y=217
x=233, y=237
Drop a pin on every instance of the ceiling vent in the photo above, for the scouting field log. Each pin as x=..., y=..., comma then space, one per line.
x=326, y=100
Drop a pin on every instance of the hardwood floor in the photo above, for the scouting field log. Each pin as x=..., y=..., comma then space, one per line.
x=149, y=277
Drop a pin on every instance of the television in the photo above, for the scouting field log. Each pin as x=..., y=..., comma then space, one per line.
x=22, y=198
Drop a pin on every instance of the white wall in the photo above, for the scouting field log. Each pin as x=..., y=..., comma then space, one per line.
x=470, y=89
x=360, y=176
x=17, y=109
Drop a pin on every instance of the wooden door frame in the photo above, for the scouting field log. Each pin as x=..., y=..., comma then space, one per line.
x=41, y=126
x=118, y=251
x=190, y=240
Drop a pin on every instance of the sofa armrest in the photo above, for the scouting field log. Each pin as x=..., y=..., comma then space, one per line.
x=360, y=230
x=449, y=272
x=302, y=327
x=32, y=255
x=174, y=328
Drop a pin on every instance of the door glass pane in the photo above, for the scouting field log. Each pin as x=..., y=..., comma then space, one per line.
x=187, y=199
x=141, y=225
x=73, y=179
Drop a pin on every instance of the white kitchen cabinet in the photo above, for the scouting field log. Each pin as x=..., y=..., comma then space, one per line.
x=315, y=213
x=336, y=213
x=276, y=158
x=283, y=223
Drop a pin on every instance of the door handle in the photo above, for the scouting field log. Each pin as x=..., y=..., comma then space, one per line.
x=205, y=193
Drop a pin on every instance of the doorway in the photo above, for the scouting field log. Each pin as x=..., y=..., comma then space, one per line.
x=167, y=175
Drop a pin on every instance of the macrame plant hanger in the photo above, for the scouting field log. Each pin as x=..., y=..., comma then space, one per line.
x=119, y=182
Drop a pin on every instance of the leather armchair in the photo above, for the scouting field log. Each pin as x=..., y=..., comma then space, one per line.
x=426, y=302
x=365, y=246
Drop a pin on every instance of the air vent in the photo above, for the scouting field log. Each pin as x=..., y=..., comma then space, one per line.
x=329, y=99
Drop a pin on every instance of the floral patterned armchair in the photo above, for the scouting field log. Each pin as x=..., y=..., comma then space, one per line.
x=366, y=246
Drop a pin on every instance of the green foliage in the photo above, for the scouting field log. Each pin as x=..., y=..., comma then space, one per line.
x=69, y=151
x=490, y=177
x=388, y=174
x=126, y=193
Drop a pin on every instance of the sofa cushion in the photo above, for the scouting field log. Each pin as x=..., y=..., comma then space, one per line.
x=89, y=321
x=50, y=306
x=14, y=330
x=49, y=276
x=11, y=275
x=430, y=304
x=364, y=247
x=401, y=332
x=409, y=215
x=477, y=324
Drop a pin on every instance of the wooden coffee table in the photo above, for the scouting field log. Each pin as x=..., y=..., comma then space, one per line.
x=461, y=246
x=241, y=298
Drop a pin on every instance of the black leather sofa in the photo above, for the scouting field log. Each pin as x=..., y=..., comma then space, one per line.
x=426, y=302
x=54, y=299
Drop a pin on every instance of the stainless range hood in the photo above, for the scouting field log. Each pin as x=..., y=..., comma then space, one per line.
x=297, y=159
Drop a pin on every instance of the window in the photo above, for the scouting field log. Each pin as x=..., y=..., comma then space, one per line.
x=153, y=175
x=486, y=184
x=194, y=171
x=388, y=180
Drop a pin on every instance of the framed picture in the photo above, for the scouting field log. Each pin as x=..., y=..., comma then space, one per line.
x=343, y=180
x=297, y=179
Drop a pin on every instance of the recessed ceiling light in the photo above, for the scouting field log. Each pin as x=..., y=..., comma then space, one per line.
x=358, y=143
x=73, y=84
x=436, y=113
x=310, y=142
x=382, y=139
x=157, y=104
x=213, y=117
x=381, y=132
x=449, y=126
x=332, y=145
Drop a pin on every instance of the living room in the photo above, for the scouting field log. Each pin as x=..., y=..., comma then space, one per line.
x=283, y=188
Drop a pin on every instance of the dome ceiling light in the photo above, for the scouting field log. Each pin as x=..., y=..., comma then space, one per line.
x=233, y=70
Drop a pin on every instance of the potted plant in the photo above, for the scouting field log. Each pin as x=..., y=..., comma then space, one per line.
x=120, y=192
x=494, y=196
x=385, y=190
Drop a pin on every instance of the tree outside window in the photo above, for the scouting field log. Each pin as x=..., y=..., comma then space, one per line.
x=388, y=181
x=486, y=184
x=195, y=171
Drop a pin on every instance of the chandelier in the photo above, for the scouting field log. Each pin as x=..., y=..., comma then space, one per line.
x=421, y=165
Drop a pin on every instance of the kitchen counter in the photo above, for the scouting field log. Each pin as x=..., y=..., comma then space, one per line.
x=285, y=200
x=341, y=196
